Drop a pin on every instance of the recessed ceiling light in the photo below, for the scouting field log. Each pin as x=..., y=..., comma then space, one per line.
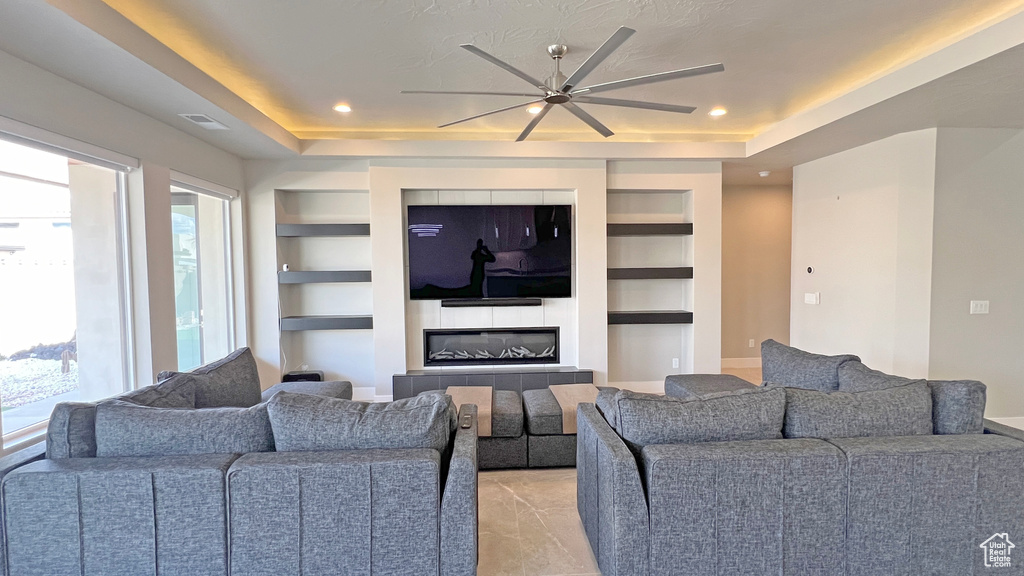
x=764, y=173
x=343, y=108
x=534, y=109
x=718, y=111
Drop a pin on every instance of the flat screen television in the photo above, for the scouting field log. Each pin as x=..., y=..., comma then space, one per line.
x=490, y=252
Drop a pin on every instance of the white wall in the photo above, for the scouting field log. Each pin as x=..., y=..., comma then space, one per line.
x=757, y=225
x=862, y=221
x=979, y=255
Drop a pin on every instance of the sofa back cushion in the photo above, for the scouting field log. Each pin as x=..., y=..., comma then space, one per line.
x=958, y=406
x=71, y=432
x=126, y=429
x=302, y=422
x=899, y=411
x=645, y=419
x=231, y=381
x=795, y=368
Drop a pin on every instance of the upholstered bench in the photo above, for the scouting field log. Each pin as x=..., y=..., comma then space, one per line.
x=506, y=446
x=548, y=445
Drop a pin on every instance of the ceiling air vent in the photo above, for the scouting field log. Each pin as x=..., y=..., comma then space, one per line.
x=204, y=121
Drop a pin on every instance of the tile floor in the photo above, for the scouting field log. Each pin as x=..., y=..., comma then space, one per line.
x=529, y=525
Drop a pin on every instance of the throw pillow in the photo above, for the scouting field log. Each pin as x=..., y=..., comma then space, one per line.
x=302, y=422
x=900, y=411
x=795, y=368
x=231, y=381
x=179, y=391
x=854, y=376
x=755, y=414
x=125, y=429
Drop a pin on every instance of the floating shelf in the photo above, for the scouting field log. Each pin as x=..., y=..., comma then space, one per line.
x=497, y=302
x=293, y=323
x=649, y=273
x=303, y=230
x=651, y=317
x=320, y=276
x=669, y=229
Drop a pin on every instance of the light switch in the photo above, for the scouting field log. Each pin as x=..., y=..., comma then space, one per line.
x=812, y=297
x=979, y=306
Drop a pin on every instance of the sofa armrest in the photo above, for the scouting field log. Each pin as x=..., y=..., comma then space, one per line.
x=610, y=497
x=331, y=388
x=697, y=385
x=8, y=464
x=459, y=519
x=992, y=427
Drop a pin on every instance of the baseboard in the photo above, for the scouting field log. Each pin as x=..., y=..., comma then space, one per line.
x=652, y=387
x=383, y=397
x=1017, y=423
x=741, y=362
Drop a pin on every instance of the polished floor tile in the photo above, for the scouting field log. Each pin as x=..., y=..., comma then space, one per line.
x=529, y=525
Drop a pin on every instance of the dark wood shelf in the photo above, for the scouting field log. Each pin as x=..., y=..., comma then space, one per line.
x=295, y=323
x=483, y=302
x=669, y=229
x=649, y=273
x=651, y=317
x=322, y=276
x=305, y=230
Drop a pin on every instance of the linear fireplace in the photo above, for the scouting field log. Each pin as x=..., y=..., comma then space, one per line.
x=490, y=346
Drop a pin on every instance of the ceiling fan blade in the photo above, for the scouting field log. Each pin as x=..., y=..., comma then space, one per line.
x=633, y=104
x=651, y=78
x=493, y=112
x=533, y=123
x=505, y=65
x=470, y=93
x=599, y=55
x=590, y=120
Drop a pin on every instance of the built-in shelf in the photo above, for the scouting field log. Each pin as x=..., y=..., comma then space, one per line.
x=649, y=273
x=651, y=317
x=303, y=230
x=322, y=276
x=294, y=323
x=482, y=302
x=667, y=229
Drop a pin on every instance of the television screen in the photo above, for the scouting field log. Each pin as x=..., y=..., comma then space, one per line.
x=490, y=252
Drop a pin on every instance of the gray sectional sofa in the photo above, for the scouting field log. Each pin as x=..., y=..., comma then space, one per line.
x=202, y=474
x=829, y=468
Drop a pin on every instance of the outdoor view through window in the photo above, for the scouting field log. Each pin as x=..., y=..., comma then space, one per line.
x=62, y=321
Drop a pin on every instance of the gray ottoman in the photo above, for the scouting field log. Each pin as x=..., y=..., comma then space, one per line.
x=696, y=385
x=548, y=447
x=506, y=447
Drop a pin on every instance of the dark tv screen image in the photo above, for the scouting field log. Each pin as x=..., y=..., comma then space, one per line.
x=490, y=252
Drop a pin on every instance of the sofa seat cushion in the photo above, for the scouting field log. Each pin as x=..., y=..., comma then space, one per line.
x=506, y=414
x=124, y=429
x=795, y=368
x=543, y=412
x=231, y=381
x=646, y=419
x=302, y=422
x=697, y=385
x=926, y=503
x=958, y=406
x=900, y=411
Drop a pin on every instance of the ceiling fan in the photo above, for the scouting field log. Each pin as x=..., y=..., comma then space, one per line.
x=559, y=90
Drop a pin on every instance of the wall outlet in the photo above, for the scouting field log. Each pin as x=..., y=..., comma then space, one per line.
x=675, y=362
x=750, y=343
x=812, y=298
x=979, y=306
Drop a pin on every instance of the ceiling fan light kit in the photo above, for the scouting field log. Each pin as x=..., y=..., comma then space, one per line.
x=558, y=90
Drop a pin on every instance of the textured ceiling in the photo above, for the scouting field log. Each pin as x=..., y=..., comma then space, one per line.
x=294, y=60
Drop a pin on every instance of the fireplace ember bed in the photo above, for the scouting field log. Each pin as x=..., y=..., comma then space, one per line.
x=490, y=346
